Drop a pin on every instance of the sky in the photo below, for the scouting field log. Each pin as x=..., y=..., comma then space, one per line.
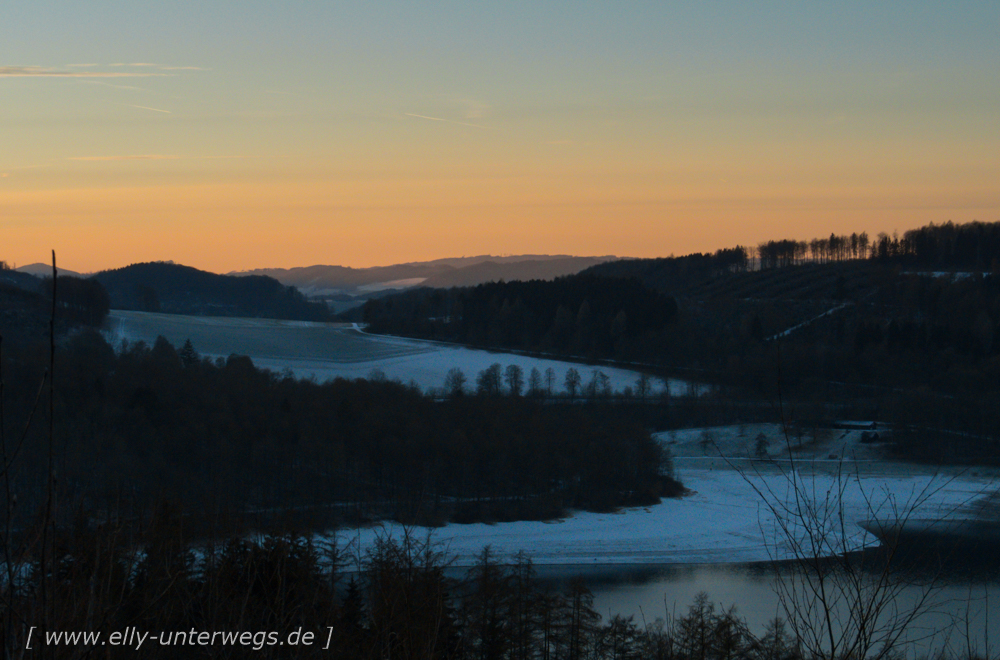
x=230, y=135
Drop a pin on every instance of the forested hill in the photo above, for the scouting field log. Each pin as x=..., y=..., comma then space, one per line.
x=577, y=315
x=175, y=289
x=968, y=248
x=920, y=310
x=547, y=268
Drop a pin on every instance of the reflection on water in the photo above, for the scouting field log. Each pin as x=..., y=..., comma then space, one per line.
x=961, y=591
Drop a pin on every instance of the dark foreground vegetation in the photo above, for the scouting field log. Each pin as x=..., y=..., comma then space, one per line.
x=290, y=597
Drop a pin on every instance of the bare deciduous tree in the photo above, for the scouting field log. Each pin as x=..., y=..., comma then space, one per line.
x=837, y=603
x=454, y=382
x=572, y=382
x=514, y=377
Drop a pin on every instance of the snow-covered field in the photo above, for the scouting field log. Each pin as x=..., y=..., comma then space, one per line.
x=732, y=512
x=329, y=350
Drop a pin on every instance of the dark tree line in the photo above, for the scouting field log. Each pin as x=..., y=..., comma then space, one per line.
x=665, y=273
x=969, y=246
x=80, y=301
x=973, y=246
x=223, y=434
x=577, y=315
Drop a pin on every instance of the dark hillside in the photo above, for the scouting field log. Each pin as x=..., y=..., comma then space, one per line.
x=587, y=316
x=175, y=289
x=22, y=313
x=529, y=269
x=704, y=279
x=25, y=312
x=20, y=280
x=906, y=328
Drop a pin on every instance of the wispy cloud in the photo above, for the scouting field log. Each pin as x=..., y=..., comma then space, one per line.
x=111, y=158
x=107, y=84
x=44, y=72
x=162, y=67
x=73, y=66
x=143, y=107
x=448, y=121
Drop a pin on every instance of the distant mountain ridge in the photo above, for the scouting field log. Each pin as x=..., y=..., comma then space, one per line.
x=443, y=273
x=45, y=270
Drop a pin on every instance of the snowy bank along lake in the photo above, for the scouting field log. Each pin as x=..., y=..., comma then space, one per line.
x=330, y=350
x=739, y=509
x=726, y=537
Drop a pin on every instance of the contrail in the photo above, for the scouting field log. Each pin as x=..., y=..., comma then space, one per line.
x=143, y=107
x=447, y=121
x=410, y=114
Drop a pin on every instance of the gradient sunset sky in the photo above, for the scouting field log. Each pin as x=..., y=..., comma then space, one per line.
x=230, y=135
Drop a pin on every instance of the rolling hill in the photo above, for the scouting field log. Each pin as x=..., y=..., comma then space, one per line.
x=325, y=281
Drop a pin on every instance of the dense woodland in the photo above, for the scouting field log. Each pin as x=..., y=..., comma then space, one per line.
x=223, y=435
x=174, y=289
x=577, y=315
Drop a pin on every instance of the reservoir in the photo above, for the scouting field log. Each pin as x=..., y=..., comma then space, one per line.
x=964, y=595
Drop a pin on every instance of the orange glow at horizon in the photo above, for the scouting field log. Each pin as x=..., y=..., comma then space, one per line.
x=239, y=226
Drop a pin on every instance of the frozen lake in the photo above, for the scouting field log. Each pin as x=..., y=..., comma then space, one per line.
x=330, y=350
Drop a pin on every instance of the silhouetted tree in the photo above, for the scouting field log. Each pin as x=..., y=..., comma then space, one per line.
x=514, y=377
x=572, y=382
x=454, y=382
x=490, y=380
